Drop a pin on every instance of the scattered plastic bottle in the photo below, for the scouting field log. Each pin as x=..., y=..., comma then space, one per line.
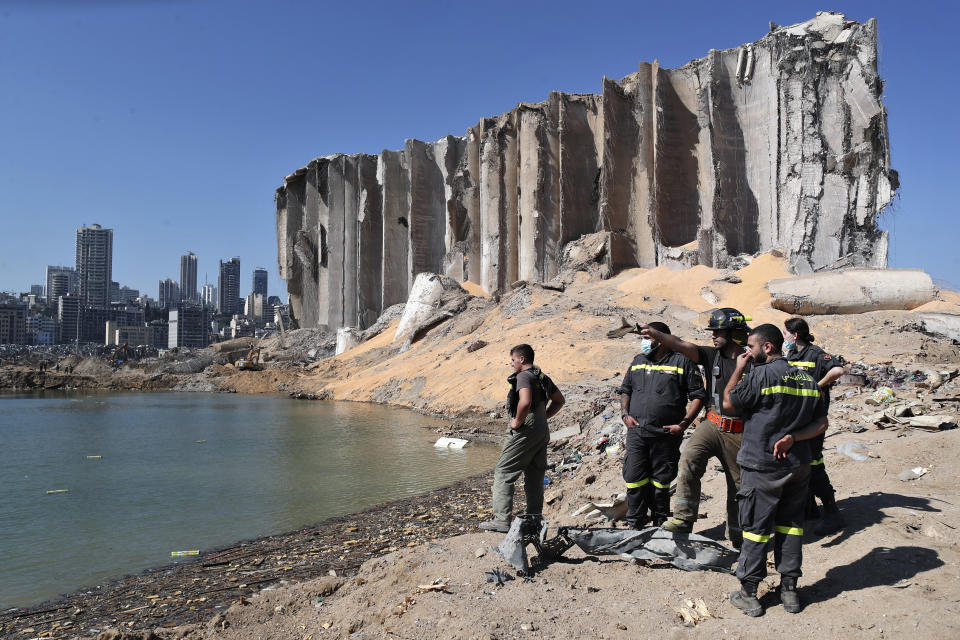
x=547, y=480
x=854, y=450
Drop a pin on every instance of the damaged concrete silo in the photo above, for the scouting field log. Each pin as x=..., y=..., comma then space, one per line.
x=779, y=144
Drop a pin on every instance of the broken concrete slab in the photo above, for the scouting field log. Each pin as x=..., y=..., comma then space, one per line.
x=852, y=291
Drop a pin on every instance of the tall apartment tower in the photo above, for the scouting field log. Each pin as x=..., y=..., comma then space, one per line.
x=168, y=295
x=208, y=296
x=70, y=278
x=94, y=265
x=188, y=278
x=260, y=282
x=228, y=287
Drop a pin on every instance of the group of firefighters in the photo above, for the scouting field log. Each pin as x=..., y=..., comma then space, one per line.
x=765, y=394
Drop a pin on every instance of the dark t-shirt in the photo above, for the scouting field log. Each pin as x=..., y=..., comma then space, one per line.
x=726, y=365
x=541, y=387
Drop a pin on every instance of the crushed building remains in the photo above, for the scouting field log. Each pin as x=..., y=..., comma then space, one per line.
x=779, y=144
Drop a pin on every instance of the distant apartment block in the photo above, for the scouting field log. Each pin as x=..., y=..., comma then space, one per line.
x=13, y=323
x=169, y=294
x=68, y=318
x=260, y=282
x=128, y=295
x=188, y=327
x=208, y=297
x=188, y=278
x=94, y=259
x=60, y=282
x=136, y=335
x=36, y=290
x=41, y=330
x=228, y=284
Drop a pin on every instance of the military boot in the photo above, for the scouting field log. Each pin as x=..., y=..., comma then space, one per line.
x=745, y=599
x=832, y=521
x=676, y=525
x=789, y=595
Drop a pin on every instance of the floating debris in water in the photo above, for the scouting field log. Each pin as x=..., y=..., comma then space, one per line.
x=180, y=554
x=53, y=491
x=94, y=457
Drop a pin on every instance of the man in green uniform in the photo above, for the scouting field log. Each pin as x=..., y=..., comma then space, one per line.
x=533, y=398
x=653, y=397
x=800, y=351
x=719, y=434
x=781, y=410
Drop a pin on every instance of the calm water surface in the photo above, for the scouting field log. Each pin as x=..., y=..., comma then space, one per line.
x=191, y=471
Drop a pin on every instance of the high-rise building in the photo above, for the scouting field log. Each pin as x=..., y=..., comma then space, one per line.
x=169, y=294
x=188, y=277
x=128, y=295
x=68, y=317
x=69, y=282
x=208, y=297
x=253, y=308
x=13, y=323
x=189, y=327
x=260, y=282
x=36, y=290
x=228, y=285
x=94, y=265
x=114, y=292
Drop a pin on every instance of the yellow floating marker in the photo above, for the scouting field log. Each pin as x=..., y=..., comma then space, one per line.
x=52, y=491
x=94, y=457
x=180, y=554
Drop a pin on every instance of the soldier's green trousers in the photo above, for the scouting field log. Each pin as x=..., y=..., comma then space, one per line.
x=708, y=442
x=524, y=453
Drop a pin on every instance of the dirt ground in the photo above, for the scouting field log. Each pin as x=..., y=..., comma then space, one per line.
x=892, y=572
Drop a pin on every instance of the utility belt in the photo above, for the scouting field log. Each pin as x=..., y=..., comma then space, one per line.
x=730, y=425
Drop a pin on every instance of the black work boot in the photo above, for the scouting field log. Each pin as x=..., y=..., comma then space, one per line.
x=745, y=599
x=789, y=595
x=832, y=521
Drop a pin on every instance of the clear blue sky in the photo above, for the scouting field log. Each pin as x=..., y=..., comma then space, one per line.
x=173, y=121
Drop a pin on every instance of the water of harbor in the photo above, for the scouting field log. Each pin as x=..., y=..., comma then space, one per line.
x=135, y=477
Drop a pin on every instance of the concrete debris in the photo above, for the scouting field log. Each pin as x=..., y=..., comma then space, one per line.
x=852, y=291
x=450, y=443
x=778, y=144
x=432, y=300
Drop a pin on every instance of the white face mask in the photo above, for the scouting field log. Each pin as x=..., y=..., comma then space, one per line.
x=646, y=346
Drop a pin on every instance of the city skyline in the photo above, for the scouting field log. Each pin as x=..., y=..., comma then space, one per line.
x=188, y=269
x=94, y=116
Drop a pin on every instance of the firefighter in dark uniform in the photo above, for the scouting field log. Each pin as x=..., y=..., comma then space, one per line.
x=653, y=398
x=781, y=410
x=719, y=434
x=800, y=351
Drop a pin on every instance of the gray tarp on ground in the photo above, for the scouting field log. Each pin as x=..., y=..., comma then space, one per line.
x=686, y=551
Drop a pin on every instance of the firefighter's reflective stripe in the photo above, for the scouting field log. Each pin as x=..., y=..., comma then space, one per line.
x=658, y=367
x=806, y=364
x=793, y=391
x=790, y=531
x=756, y=537
x=660, y=485
x=814, y=463
x=638, y=483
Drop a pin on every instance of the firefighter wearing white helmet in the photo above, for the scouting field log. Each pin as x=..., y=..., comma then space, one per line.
x=719, y=434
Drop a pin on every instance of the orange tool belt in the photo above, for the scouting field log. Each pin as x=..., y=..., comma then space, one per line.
x=730, y=425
